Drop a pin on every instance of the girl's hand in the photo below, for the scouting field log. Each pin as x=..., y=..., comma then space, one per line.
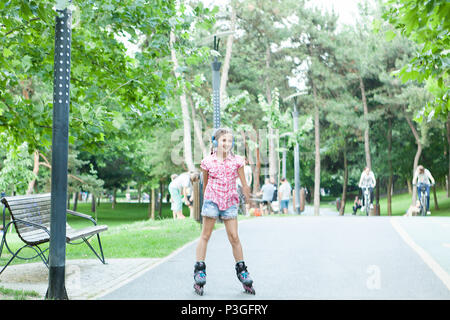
x=246, y=191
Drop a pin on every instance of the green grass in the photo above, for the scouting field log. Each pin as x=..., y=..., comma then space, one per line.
x=11, y=294
x=400, y=203
x=130, y=233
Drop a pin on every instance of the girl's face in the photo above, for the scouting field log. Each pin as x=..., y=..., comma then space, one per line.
x=225, y=142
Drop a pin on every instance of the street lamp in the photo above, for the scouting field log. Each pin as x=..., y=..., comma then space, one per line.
x=60, y=149
x=216, y=85
x=216, y=75
x=296, y=152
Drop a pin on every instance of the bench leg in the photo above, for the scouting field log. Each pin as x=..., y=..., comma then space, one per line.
x=39, y=252
x=12, y=258
x=102, y=258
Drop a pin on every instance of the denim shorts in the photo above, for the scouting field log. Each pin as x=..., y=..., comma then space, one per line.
x=211, y=210
x=284, y=204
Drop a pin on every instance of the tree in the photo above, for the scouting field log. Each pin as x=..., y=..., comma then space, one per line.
x=16, y=170
x=107, y=84
x=426, y=23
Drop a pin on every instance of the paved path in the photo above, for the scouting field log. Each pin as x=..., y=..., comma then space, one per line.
x=289, y=257
x=307, y=257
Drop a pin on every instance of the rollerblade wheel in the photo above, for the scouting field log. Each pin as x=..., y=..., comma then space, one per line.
x=198, y=289
x=249, y=290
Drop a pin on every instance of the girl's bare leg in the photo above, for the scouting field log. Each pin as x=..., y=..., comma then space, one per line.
x=231, y=225
x=208, y=226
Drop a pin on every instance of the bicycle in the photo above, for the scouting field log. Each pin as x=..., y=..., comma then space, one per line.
x=423, y=199
x=366, y=195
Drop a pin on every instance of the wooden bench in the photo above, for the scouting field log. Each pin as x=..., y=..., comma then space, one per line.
x=30, y=215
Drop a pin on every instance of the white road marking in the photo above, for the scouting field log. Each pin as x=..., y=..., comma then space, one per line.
x=434, y=266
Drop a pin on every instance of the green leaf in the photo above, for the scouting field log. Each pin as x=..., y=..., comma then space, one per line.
x=389, y=35
x=7, y=53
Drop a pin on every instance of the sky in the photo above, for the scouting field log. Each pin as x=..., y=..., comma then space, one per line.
x=346, y=9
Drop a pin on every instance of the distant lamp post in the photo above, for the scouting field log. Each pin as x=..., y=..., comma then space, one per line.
x=60, y=149
x=216, y=85
x=296, y=152
x=216, y=75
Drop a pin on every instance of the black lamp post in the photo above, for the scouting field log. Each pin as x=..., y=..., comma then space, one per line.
x=60, y=149
x=216, y=86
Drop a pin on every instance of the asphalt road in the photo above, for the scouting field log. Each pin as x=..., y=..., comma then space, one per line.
x=307, y=257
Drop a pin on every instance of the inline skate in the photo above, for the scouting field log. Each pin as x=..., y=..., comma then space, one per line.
x=244, y=277
x=199, y=277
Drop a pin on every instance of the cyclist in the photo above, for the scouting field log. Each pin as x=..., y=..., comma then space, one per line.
x=367, y=180
x=423, y=177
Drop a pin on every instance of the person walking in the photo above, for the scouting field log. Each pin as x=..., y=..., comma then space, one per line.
x=284, y=193
x=220, y=170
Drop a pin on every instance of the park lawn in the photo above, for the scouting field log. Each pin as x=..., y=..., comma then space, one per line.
x=130, y=233
x=400, y=203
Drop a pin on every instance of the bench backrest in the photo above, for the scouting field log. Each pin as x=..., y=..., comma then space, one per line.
x=31, y=208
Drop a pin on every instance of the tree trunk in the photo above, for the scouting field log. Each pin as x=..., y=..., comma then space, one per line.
x=389, y=185
x=436, y=205
x=257, y=166
x=317, y=154
x=184, y=108
x=416, y=157
x=408, y=183
x=75, y=201
x=198, y=134
x=366, y=131
x=447, y=126
x=226, y=62
x=113, y=205
x=151, y=205
x=35, y=172
x=273, y=165
x=93, y=203
x=344, y=187
x=161, y=190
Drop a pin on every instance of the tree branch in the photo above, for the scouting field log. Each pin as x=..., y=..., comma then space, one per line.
x=21, y=26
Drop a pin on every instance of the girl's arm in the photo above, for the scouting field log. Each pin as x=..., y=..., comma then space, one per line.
x=205, y=180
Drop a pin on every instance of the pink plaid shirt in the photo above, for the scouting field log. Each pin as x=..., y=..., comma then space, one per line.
x=221, y=187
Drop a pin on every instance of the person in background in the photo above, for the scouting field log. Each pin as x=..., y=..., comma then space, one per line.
x=284, y=193
x=266, y=191
x=423, y=177
x=356, y=205
x=178, y=189
x=367, y=180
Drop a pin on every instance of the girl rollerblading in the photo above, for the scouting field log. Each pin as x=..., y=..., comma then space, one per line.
x=220, y=201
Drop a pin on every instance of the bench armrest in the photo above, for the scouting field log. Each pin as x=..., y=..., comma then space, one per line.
x=31, y=224
x=82, y=215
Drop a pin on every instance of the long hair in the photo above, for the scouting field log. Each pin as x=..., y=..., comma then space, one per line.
x=218, y=133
